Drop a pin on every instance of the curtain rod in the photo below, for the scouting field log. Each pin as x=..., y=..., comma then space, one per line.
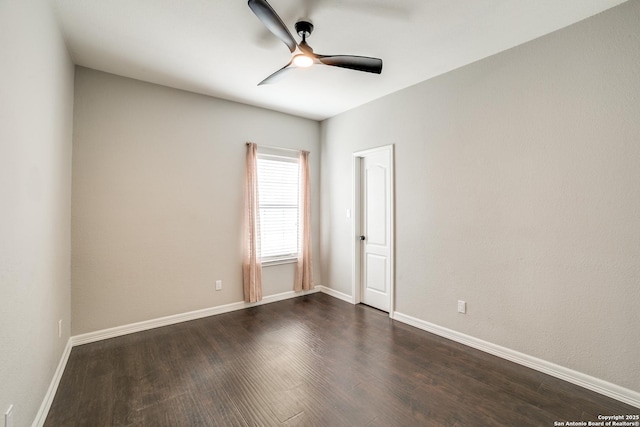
x=277, y=148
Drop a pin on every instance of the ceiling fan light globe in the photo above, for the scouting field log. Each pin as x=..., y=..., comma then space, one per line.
x=302, y=61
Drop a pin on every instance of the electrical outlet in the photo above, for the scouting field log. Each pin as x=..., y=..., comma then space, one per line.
x=8, y=417
x=462, y=307
x=218, y=285
x=60, y=328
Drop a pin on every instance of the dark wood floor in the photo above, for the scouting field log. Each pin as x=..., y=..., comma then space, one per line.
x=309, y=361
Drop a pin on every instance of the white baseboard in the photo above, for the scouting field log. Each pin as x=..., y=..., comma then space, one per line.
x=595, y=384
x=336, y=294
x=41, y=416
x=178, y=318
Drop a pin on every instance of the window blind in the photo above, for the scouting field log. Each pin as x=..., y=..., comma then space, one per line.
x=278, y=189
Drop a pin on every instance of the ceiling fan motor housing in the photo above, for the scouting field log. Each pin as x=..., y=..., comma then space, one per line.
x=304, y=29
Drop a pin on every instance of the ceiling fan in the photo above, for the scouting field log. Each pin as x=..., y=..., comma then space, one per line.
x=302, y=53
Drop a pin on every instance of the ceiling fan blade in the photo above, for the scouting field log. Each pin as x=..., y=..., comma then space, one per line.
x=277, y=75
x=272, y=21
x=359, y=63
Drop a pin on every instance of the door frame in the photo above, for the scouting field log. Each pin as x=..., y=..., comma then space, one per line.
x=356, y=259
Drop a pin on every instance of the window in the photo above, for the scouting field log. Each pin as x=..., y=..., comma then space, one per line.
x=278, y=190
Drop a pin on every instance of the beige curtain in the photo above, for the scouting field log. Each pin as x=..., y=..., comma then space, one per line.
x=252, y=267
x=304, y=279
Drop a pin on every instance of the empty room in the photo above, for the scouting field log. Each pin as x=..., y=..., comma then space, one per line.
x=319, y=213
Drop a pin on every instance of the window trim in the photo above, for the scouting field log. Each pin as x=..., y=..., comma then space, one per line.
x=270, y=261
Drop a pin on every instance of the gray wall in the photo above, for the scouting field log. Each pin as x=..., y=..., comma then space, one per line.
x=158, y=199
x=518, y=190
x=36, y=105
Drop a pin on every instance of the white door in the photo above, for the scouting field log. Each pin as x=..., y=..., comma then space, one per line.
x=376, y=199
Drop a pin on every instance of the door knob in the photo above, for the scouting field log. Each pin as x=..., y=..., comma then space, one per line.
x=362, y=237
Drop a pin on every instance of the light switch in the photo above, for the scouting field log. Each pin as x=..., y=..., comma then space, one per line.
x=462, y=307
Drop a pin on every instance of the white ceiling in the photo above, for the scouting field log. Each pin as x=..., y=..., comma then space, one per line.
x=220, y=48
